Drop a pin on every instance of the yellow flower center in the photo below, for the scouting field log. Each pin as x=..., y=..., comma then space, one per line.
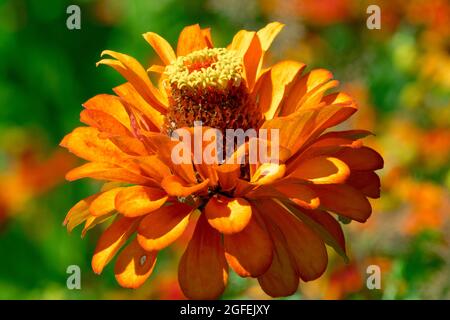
x=208, y=86
x=206, y=68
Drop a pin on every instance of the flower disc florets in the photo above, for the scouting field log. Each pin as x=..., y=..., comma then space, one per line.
x=208, y=86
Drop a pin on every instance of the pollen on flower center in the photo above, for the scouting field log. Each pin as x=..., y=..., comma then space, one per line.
x=206, y=68
x=199, y=65
x=208, y=86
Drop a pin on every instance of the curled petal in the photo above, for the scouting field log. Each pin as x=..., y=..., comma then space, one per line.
x=134, y=265
x=322, y=170
x=267, y=34
x=228, y=215
x=163, y=226
x=268, y=173
x=161, y=47
x=139, y=200
x=133, y=71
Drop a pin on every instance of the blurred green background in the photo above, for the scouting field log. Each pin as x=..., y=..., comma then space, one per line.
x=399, y=75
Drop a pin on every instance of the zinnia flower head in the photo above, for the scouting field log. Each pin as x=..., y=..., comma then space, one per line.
x=270, y=220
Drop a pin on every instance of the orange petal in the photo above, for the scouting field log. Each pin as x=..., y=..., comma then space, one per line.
x=163, y=226
x=268, y=173
x=300, y=194
x=345, y=104
x=207, y=171
x=367, y=182
x=134, y=265
x=162, y=48
x=106, y=171
x=156, y=69
x=78, y=213
x=228, y=175
x=303, y=87
x=298, y=128
x=267, y=34
x=305, y=246
x=330, y=224
x=128, y=93
x=243, y=187
x=174, y=186
x=163, y=146
x=139, y=200
x=109, y=104
x=103, y=122
x=203, y=271
x=344, y=200
x=86, y=144
x=341, y=137
x=111, y=241
x=249, y=252
x=322, y=170
x=228, y=215
x=281, y=278
x=104, y=203
x=316, y=95
x=153, y=167
x=328, y=144
x=134, y=73
x=363, y=159
x=329, y=237
x=191, y=39
x=207, y=35
x=248, y=46
x=92, y=221
x=276, y=87
x=129, y=145
x=252, y=62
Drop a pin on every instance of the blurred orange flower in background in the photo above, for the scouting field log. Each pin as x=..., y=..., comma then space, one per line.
x=430, y=207
x=27, y=174
x=268, y=220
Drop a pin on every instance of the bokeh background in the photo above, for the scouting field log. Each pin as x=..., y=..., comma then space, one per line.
x=400, y=76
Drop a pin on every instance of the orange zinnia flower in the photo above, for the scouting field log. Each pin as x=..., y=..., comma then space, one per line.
x=271, y=220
